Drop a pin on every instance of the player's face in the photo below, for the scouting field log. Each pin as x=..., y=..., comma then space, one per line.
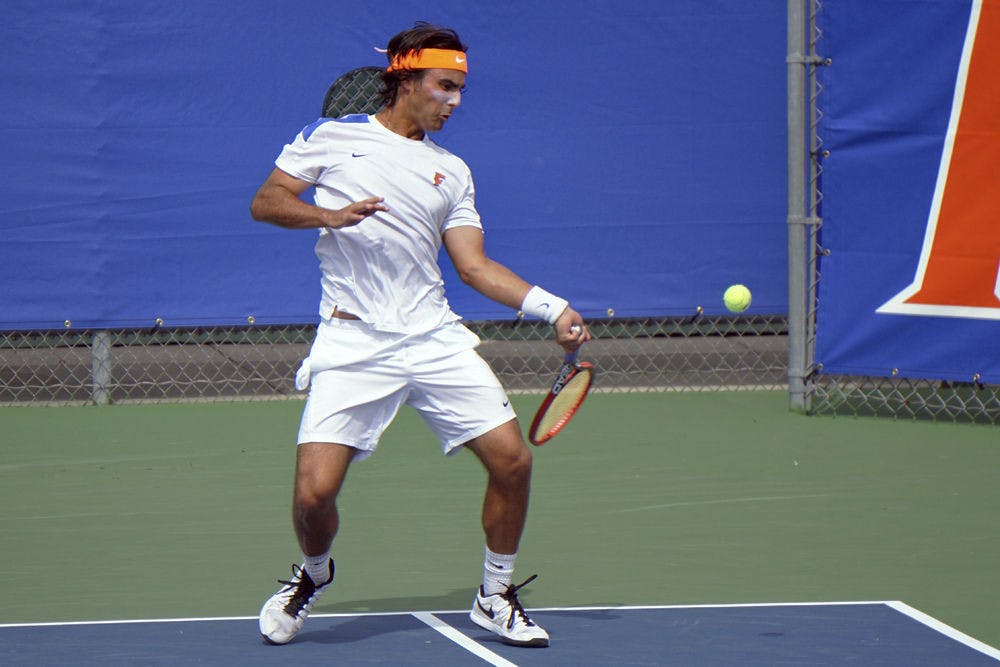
x=434, y=97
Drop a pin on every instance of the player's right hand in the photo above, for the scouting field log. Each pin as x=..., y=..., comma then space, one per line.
x=571, y=332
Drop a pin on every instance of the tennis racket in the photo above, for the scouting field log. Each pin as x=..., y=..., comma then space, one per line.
x=563, y=400
x=357, y=91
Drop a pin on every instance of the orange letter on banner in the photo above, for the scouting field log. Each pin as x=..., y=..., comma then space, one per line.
x=960, y=262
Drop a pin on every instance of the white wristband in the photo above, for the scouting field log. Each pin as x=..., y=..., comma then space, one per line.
x=543, y=305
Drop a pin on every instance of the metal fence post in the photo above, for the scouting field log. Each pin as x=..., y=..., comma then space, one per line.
x=797, y=205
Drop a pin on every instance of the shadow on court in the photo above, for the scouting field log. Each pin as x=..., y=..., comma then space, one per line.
x=335, y=632
x=457, y=598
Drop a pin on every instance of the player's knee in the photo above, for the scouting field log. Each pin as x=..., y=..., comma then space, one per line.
x=515, y=467
x=312, y=495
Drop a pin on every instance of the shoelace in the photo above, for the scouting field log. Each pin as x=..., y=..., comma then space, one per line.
x=510, y=595
x=304, y=589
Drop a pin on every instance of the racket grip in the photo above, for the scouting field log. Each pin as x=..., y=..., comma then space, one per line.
x=571, y=356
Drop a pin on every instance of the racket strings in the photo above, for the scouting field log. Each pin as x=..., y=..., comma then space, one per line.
x=358, y=91
x=565, y=403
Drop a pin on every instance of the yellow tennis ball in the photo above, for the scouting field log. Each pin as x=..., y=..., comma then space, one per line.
x=736, y=298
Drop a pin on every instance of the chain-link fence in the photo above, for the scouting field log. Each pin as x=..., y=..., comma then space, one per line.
x=119, y=366
x=905, y=398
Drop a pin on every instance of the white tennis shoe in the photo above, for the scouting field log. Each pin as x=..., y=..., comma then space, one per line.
x=503, y=614
x=285, y=612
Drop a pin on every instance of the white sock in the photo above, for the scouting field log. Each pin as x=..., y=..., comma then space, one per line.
x=498, y=571
x=318, y=568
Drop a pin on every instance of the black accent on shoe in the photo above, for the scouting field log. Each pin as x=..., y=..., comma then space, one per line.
x=489, y=612
x=304, y=589
x=510, y=595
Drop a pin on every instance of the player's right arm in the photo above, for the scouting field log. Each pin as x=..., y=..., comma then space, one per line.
x=497, y=282
x=279, y=202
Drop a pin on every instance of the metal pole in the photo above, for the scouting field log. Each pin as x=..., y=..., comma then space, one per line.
x=797, y=204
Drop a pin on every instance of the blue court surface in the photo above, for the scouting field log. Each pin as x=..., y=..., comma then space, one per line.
x=860, y=633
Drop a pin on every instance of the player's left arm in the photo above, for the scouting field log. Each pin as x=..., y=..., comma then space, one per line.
x=495, y=281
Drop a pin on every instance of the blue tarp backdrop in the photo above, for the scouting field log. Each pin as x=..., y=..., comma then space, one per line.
x=887, y=102
x=626, y=155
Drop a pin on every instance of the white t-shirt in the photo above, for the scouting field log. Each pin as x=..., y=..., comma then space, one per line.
x=384, y=269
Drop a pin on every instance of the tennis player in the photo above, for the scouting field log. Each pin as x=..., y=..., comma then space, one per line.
x=386, y=198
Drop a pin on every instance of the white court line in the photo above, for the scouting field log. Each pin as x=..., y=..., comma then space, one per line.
x=723, y=501
x=127, y=621
x=896, y=605
x=206, y=619
x=348, y=614
x=463, y=641
x=945, y=629
x=733, y=605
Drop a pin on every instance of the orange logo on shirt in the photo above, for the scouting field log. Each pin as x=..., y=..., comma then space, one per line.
x=438, y=178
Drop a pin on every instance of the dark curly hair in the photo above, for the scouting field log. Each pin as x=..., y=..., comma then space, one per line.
x=422, y=35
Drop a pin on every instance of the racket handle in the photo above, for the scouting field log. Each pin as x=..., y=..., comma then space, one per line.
x=571, y=356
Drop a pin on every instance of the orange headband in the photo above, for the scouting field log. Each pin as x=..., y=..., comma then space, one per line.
x=431, y=59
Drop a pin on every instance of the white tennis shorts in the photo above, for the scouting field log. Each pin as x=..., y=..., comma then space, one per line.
x=359, y=377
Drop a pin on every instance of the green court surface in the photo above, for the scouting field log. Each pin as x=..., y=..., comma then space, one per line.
x=181, y=510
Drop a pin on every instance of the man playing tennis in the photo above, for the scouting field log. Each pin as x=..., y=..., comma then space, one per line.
x=386, y=198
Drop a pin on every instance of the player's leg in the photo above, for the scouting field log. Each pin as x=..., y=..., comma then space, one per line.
x=508, y=461
x=462, y=401
x=319, y=475
x=320, y=469
x=352, y=406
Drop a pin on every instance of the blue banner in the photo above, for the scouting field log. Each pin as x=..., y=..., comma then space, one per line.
x=909, y=286
x=630, y=157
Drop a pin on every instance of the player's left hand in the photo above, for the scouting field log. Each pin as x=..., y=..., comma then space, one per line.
x=354, y=213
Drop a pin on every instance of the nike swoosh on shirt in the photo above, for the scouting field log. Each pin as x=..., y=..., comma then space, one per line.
x=358, y=154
